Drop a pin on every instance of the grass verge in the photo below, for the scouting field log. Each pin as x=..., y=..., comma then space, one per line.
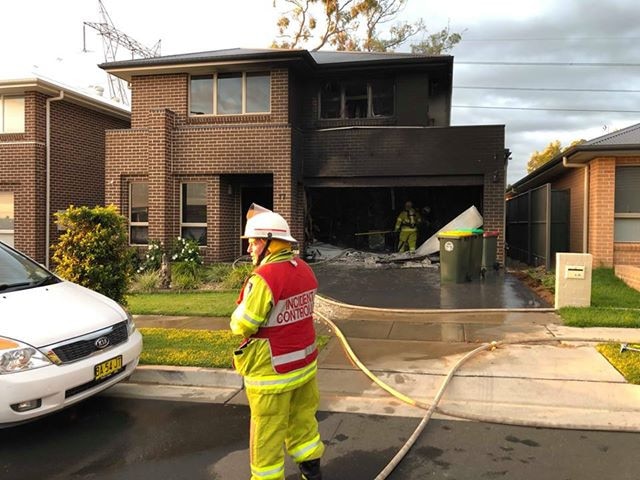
x=193, y=348
x=205, y=304
x=627, y=363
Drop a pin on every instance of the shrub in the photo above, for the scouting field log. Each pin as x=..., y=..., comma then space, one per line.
x=146, y=282
x=236, y=277
x=152, y=260
x=186, y=250
x=216, y=273
x=186, y=275
x=94, y=250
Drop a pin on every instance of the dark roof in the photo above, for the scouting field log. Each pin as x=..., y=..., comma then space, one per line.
x=319, y=58
x=626, y=136
x=623, y=142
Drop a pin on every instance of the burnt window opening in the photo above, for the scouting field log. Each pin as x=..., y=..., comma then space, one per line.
x=357, y=99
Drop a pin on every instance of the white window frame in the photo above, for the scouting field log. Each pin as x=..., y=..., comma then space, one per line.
x=620, y=216
x=24, y=122
x=193, y=224
x=12, y=231
x=244, y=96
x=138, y=224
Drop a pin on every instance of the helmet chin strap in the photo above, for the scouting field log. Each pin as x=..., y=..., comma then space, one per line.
x=265, y=249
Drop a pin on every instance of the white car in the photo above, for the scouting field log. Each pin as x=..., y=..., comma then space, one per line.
x=59, y=342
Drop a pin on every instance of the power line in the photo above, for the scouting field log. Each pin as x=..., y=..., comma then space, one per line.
x=545, y=39
x=489, y=107
x=544, y=89
x=550, y=64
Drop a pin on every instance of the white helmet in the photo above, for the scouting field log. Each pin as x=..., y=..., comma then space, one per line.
x=263, y=223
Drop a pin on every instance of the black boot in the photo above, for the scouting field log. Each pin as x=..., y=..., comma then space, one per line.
x=310, y=470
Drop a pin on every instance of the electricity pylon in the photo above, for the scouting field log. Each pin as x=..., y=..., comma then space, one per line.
x=112, y=39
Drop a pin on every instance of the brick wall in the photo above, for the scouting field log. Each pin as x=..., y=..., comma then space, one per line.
x=629, y=274
x=493, y=211
x=168, y=147
x=572, y=179
x=77, y=166
x=601, y=210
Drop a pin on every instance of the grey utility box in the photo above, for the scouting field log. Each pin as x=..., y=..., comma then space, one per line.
x=573, y=279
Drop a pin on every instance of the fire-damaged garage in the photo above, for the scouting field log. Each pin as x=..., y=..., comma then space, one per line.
x=359, y=179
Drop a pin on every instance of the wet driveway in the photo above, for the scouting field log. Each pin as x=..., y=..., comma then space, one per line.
x=421, y=288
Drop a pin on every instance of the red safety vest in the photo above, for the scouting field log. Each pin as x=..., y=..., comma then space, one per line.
x=289, y=328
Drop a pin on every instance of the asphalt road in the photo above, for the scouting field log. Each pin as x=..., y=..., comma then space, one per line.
x=115, y=438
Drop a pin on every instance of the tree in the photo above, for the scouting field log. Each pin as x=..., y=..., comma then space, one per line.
x=554, y=149
x=354, y=25
x=94, y=250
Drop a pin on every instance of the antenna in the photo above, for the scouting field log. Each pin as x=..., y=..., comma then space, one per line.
x=112, y=38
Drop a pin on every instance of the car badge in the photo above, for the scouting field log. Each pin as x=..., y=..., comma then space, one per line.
x=102, y=342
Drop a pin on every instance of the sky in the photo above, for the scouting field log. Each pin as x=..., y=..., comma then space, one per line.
x=582, y=79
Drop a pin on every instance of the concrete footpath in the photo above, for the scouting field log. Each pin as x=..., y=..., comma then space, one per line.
x=556, y=384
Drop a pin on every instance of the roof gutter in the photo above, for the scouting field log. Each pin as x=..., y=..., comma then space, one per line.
x=585, y=201
x=47, y=222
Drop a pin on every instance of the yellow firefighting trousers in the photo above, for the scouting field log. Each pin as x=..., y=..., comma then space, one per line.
x=283, y=419
x=407, y=240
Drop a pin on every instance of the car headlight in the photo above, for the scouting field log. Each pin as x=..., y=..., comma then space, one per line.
x=131, y=326
x=17, y=357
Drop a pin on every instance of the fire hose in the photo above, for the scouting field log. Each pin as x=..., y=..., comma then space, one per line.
x=431, y=408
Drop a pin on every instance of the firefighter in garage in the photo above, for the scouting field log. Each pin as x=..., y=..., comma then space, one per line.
x=278, y=356
x=407, y=224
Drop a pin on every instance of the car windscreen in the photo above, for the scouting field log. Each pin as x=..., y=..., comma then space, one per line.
x=18, y=272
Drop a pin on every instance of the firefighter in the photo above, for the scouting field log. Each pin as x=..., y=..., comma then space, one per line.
x=407, y=225
x=278, y=356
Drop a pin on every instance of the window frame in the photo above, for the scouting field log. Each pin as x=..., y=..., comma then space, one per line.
x=138, y=224
x=194, y=224
x=11, y=232
x=2, y=114
x=244, y=112
x=625, y=215
x=343, y=98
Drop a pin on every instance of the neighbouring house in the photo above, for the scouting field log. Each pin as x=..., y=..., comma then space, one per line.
x=51, y=156
x=584, y=200
x=334, y=141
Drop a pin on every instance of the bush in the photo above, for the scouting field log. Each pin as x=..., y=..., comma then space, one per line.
x=217, y=272
x=94, y=250
x=186, y=275
x=146, y=282
x=236, y=277
x=186, y=250
x=152, y=260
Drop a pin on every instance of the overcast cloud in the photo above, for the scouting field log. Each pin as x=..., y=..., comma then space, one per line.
x=45, y=36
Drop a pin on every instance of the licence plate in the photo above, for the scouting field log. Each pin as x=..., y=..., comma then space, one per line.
x=107, y=368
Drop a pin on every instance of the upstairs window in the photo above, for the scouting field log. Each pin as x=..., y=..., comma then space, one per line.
x=139, y=213
x=627, y=205
x=193, y=217
x=11, y=114
x=357, y=99
x=230, y=93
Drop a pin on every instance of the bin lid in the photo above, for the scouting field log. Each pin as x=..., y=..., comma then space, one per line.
x=454, y=234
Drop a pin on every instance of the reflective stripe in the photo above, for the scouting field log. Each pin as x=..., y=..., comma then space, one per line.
x=305, y=448
x=271, y=472
x=294, y=356
x=278, y=382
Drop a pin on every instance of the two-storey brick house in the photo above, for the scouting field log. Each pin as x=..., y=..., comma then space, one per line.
x=51, y=156
x=334, y=141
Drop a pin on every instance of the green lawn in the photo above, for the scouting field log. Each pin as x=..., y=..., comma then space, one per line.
x=205, y=304
x=627, y=363
x=613, y=304
x=193, y=348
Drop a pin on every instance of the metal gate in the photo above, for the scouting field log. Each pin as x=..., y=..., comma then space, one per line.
x=538, y=226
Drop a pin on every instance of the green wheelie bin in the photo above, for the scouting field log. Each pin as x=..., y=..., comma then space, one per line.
x=455, y=255
x=489, y=252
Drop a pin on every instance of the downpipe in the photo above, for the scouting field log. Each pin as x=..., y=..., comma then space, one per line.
x=434, y=405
